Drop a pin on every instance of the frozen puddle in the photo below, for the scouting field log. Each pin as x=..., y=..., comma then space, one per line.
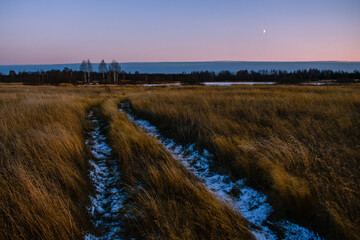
x=235, y=83
x=252, y=204
x=109, y=196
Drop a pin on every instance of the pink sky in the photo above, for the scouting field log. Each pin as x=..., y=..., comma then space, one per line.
x=47, y=32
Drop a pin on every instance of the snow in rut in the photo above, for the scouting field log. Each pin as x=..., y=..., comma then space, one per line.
x=109, y=195
x=252, y=204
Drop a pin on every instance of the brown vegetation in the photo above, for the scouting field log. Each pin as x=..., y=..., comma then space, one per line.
x=43, y=165
x=168, y=202
x=298, y=144
x=301, y=145
x=44, y=185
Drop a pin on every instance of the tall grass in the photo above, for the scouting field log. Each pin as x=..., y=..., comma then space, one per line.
x=44, y=188
x=301, y=145
x=167, y=201
x=298, y=144
x=43, y=177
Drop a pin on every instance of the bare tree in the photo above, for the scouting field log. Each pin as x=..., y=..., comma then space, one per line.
x=115, y=68
x=89, y=69
x=103, y=68
x=83, y=68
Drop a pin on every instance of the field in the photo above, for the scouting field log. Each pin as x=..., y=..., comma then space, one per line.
x=299, y=145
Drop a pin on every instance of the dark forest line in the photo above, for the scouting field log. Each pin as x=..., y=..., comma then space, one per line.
x=56, y=77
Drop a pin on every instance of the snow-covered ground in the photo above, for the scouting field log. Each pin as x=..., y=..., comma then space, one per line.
x=235, y=83
x=109, y=195
x=252, y=204
x=208, y=84
x=179, y=84
x=160, y=84
x=319, y=83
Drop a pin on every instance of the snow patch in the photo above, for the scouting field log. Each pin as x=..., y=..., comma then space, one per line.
x=109, y=195
x=319, y=83
x=235, y=83
x=160, y=84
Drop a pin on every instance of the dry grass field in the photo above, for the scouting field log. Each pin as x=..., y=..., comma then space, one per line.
x=43, y=165
x=44, y=184
x=168, y=201
x=300, y=145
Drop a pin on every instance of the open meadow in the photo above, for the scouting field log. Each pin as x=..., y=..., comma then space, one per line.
x=180, y=162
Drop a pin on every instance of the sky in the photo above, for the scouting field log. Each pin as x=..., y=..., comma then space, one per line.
x=51, y=32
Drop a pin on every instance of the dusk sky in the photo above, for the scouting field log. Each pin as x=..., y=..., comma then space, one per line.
x=49, y=32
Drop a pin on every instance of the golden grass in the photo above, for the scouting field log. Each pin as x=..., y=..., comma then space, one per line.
x=43, y=186
x=43, y=161
x=301, y=145
x=167, y=201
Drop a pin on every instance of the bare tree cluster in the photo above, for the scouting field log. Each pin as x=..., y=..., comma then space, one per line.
x=103, y=68
x=86, y=68
x=114, y=70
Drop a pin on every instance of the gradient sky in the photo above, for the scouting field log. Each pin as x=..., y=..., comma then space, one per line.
x=49, y=32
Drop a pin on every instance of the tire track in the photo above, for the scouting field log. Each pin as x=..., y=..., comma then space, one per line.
x=108, y=199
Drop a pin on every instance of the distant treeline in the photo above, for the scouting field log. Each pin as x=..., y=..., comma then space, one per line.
x=115, y=76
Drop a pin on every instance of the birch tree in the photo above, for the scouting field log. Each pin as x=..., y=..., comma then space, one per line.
x=103, y=68
x=89, y=69
x=83, y=68
x=115, y=68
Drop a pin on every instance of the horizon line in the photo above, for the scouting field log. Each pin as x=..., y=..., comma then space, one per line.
x=211, y=61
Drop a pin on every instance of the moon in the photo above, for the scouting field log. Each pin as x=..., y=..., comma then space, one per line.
x=264, y=31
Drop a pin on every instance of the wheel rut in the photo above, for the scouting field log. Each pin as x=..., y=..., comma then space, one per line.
x=109, y=196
